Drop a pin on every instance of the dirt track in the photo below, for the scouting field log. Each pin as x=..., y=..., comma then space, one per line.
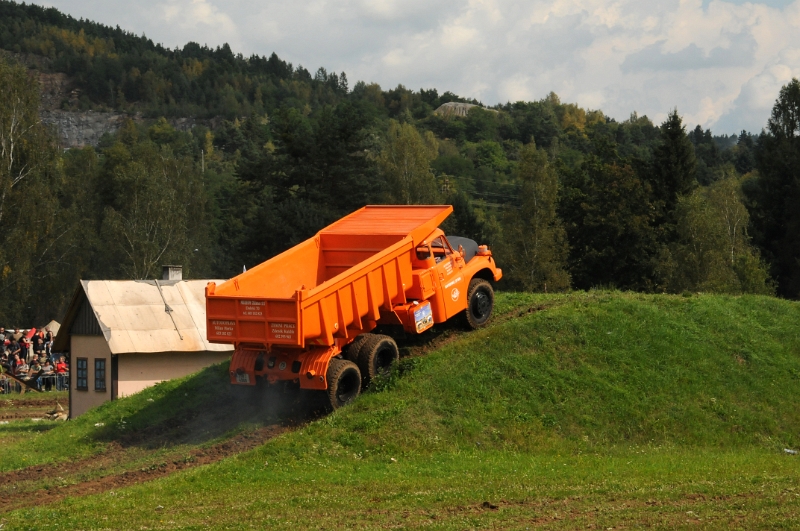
x=71, y=473
x=27, y=407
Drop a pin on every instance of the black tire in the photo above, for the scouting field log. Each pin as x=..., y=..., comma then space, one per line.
x=344, y=382
x=480, y=302
x=350, y=352
x=376, y=356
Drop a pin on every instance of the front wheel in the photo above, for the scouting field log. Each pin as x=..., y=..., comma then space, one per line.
x=344, y=382
x=480, y=302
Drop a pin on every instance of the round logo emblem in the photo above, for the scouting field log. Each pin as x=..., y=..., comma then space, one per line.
x=454, y=294
x=282, y=365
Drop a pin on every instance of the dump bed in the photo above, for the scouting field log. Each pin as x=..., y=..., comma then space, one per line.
x=330, y=286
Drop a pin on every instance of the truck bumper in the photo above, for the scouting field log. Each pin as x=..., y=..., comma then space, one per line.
x=307, y=367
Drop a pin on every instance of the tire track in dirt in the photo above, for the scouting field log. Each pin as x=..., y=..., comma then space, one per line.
x=26, y=401
x=192, y=458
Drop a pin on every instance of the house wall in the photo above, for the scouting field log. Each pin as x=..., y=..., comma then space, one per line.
x=138, y=371
x=90, y=347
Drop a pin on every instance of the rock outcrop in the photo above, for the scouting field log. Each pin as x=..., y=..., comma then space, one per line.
x=77, y=129
x=80, y=129
x=455, y=108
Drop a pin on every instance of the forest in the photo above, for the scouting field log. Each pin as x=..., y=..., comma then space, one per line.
x=567, y=197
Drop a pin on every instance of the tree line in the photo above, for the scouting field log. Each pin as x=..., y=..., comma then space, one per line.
x=567, y=197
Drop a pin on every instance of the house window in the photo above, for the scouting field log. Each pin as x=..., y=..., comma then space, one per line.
x=99, y=374
x=82, y=383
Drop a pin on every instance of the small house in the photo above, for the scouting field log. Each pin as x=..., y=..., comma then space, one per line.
x=124, y=336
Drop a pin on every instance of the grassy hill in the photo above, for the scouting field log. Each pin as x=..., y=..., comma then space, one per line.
x=583, y=410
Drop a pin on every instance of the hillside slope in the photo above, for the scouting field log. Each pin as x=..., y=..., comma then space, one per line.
x=589, y=409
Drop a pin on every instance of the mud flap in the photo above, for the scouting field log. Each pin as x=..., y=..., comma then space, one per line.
x=243, y=367
x=314, y=368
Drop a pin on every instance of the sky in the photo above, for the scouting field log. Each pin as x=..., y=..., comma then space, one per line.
x=720, y=63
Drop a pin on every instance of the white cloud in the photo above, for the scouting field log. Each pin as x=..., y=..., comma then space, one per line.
x=199, y=17
x=721, y=62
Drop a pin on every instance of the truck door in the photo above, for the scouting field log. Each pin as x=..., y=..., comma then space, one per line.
x=448, y=272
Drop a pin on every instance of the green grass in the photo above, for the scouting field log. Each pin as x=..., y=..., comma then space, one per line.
x=590, y=409
x=669, y=488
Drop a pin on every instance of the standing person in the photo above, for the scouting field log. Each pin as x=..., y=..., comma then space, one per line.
x=61, y=372
x=39, y=336
x=38, y=347
x=17, y=334
x=24, y=348
x=33, y=372
x=2, y=335
x=13, y=349
x=48, y=342
x=47, y=374
x=22, y=370
x=17, y=365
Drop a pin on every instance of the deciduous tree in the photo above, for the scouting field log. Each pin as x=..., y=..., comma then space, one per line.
x=405, y=164
x=154, y=212
x=712, y=251
x=40, y=219
x=534, y=244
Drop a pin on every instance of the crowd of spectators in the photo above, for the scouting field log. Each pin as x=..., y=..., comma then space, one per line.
x=28, y=357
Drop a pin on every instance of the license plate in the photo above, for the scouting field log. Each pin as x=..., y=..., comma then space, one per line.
x=243, y=378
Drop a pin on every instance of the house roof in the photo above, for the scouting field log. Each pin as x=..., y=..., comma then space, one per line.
x=133, y=318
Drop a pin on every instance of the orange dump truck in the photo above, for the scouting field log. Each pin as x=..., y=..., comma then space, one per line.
x=305, y=315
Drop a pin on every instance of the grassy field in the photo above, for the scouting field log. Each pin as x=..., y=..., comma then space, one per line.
x=591, y=410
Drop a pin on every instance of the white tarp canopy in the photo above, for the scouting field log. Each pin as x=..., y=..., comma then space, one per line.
x=54, y=327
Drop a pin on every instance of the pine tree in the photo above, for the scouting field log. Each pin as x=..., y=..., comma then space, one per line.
x=674, y=164
x=611, y=223
x=776, y=196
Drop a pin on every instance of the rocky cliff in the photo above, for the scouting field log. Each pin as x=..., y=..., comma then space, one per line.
x=79, y=129
x=454, y=108
x=76, y=129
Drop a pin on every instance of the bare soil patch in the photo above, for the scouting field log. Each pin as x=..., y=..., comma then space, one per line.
x=116, y=454
x=27, y=407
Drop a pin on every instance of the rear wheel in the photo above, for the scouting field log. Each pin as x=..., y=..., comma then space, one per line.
x=344, y=382
x=350, y=352
x=376, y=356
x=480, y=302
